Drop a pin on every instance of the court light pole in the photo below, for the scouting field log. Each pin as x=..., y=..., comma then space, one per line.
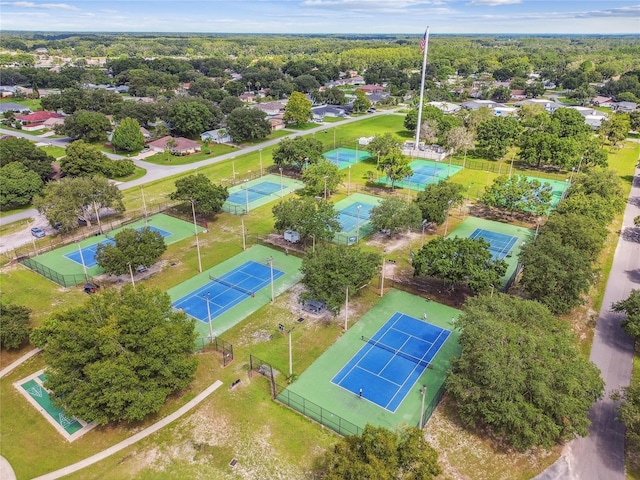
x=95, y=207
x=133, y=283
x=260, y=161
x=492, y=287
x=281, y=189
x=84, y=266
x=273, y=296
x=144, y=205
x=346, y=311
x=409, y=190
x=233, y=170
x=207, y=299
x=334, y=138
x=246, y=194
x=358, y=224
x=290, y=353
x=325, y=187
x=538, y=220
x=446, y=223
x=423, y=392
x=424, y=225
x=382, y=277
x=349, y=183
x=195, y=227
x=313, y=245
x=244, y=236
x=378, y=168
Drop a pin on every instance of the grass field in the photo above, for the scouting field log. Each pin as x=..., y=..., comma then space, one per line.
x=210, y=151
x=33, y=104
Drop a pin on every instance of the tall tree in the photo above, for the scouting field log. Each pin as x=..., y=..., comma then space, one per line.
x=308, y=217
x=520, y=373
x=516, y=193
x=18, y=185
x=246, y=124
x=322, y=177
x=132, y=249
x=298, y=109
x=496, y=135
x=631, y=308
x=23, y=151
x=15, y=325
x=331, y=269
x=616, y=128
x=382, y=454
x=190, y=119
x=395, y=166
x=438, y=198
x=85, y=125
x=206, y=196
x=459, y=261
x=119, y=356
x=361, y=102
x=395, y=214
x=383, y=145
x=297, y=152
x=127, y=136
x=629, y=413
x=70, y=199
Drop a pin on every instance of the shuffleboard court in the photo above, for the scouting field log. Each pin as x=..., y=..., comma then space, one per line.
x=87, y=255
x=388, y=365
x=499, y=244
x=224, y=292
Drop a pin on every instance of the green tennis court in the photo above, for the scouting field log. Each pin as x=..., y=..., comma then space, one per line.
x=61, y=260
x=315, y=384
x=237, y=312
x=558, y=188
x=518, y=236
x=353, y=216
x=254, y=193
x=32, y=388
x=345, y=157
x=425, y=172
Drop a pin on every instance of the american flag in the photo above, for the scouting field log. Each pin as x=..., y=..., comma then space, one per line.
x=423, y=42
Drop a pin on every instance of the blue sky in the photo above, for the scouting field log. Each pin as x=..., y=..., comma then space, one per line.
x=325, y=16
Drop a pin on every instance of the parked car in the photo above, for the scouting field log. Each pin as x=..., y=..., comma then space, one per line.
x=38, y=232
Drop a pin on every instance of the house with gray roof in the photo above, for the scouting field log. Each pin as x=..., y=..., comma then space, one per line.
x=13, y=107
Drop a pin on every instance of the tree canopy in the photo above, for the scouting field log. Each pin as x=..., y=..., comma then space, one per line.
x=246, y=124
x=127, y=136
x=631, y=308
x=119, y=356
x=23, y=151
x=15, y=325
x=331, y=269
x=83, y=160
x=520, y=373
x=496, y=135
x=383, y=145
x=321, y=175
x=132, y=248
x=18, y=185
x=85, y=125
x=298, y=109
x=459, y=261
x=308, y=217
x=297, y=152
x=66, y=201
x=382, y=454
x=206, y=196
x=517, y=193
x=395, y=166
x=438, y=198
x=395, y=214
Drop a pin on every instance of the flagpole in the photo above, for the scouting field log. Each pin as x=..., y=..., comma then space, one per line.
x=424, y=69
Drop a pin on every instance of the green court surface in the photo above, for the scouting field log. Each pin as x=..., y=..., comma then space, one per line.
x=351, y=236
x=58, y=262
x=315, y=383
x=289, y=264
x=425, y=172
x=558, y=189
x=260, y=191
x=468, y=226
x=33, y=390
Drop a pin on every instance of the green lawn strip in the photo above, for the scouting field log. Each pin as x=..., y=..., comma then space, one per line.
x=272, y=136
x=7, y=228
x=633, y=456
x=138, y=172
x=304, y=126
x=315, y=383
x=214, y=150
x=32, y=104
x=54, y=151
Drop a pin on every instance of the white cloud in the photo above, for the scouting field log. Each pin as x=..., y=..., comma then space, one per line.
x=45, y=6
x=493, y=3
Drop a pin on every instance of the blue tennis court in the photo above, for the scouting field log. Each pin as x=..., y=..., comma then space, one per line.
x=424, y=173
x=499, y=244
x=343, y=157
x=255, y=192
x=386, y=368
x=350, y=216
x=222, y=293
x=89, y=252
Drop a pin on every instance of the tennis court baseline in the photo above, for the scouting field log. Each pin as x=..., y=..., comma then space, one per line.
x=255, y=192
x=344, y=157
x=222, y=293
x=424, y=173
x=499, y=244
x=386, y=368
x=89, y=253
x=350, y=216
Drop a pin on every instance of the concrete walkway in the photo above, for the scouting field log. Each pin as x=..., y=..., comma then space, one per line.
x=12, y=366
x=6, y=472
x=133, y=439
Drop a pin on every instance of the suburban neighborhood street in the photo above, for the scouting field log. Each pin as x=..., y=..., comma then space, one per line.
x=601, y=454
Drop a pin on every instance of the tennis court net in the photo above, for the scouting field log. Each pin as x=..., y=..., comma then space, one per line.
x=375, y=343
x=364, y=213
x=264, y=191
x=246, y=291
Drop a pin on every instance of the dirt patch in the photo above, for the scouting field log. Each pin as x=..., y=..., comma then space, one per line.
x=119, y=280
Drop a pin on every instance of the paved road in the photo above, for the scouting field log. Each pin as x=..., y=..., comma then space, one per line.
x=157, y=172
x=600, y=456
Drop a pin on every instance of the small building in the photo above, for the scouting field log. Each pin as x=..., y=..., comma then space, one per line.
x=248, y=97
x=221, y=135
x=13, y=107
x=35, y=121
x=322, y=111
x=271, y=108
x=549, y=105
x=624, y=107
x=477, y=104
x=371, y=88
x=277, y=123
x=446, y=107
x=182, y=146
x=291, y=236
x=518, y=95
x=602, y=101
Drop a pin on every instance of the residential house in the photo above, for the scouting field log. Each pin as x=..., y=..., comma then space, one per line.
x=51, y=123
x=271, y=108
x=146, y=134
x=602, y=101
x=35, y=121
x=277, y=122
x=624, y=107
x=375, y=98
x=477, y=104
x=322, y=111
x=7, y=91
x=446, y=107
x=518, y=95
x=592, y=117
x=549, y=105
x=182, y=146
x=248, y=97
x=504, y=111
x=13, y=107
x=221, y=135
x=368, y=89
